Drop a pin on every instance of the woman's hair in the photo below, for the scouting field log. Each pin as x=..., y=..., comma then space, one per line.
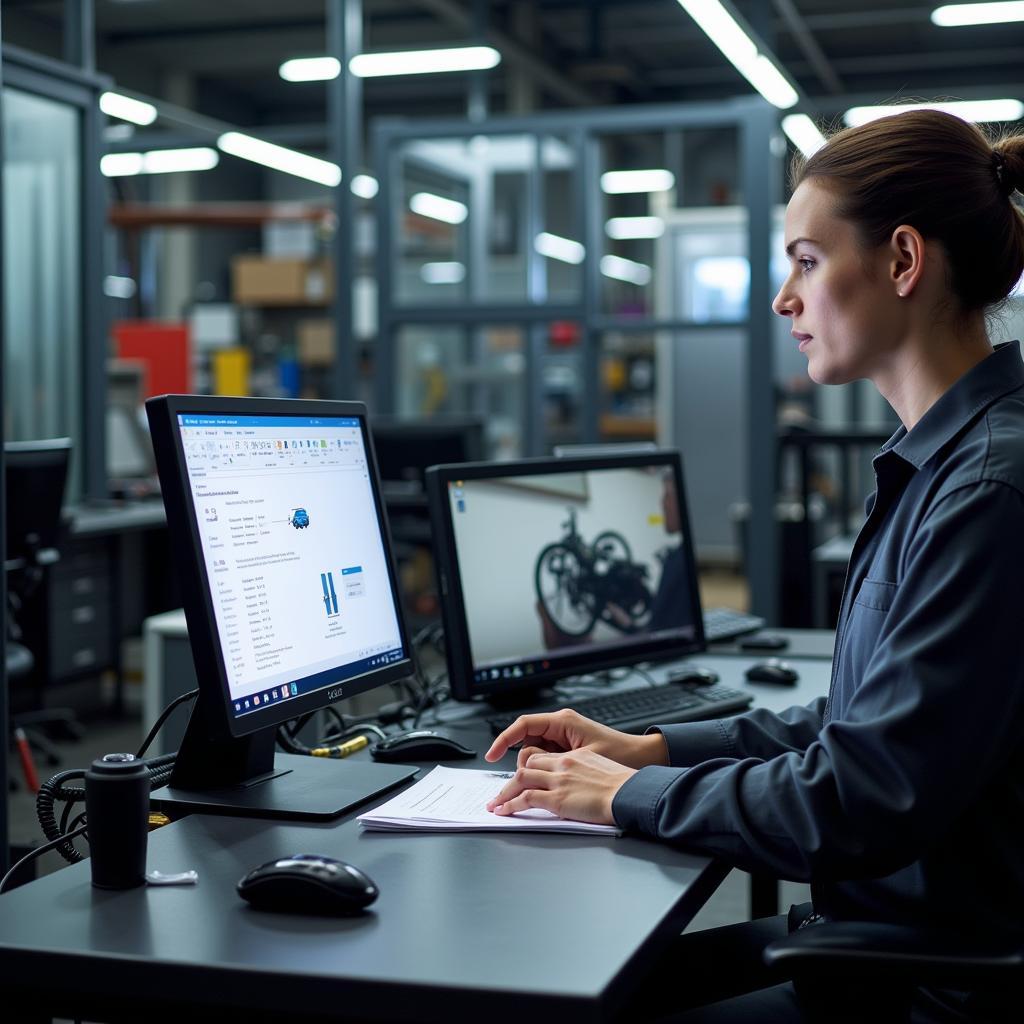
x=941, y=175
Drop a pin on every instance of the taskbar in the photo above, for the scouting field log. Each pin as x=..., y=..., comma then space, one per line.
x=280, y=692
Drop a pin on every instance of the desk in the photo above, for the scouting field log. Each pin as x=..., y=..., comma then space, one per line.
x=451, y=937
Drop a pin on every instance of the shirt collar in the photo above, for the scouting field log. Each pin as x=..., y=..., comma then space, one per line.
x=995, y=376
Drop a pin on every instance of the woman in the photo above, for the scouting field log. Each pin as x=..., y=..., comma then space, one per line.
x=900, y=798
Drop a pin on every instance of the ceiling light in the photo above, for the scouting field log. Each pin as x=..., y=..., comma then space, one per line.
x=635, y=227
x=625, y=270
x=741, y=51
x=443, y=273
x=310, y=69
x=618, y=182
x=158, y=161
x=803, y=133
x=557, y=248
x=969, y=110
x=424, y=62
x=118, y=287
x=113, y=104
x=364, y=186
x=954, y=15
x=428, y=205
x=280, y=159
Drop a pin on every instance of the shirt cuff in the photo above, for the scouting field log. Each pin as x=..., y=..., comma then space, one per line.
x=693, y=743
x=635, y=806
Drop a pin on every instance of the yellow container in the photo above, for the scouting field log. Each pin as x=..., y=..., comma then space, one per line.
x=231, y=371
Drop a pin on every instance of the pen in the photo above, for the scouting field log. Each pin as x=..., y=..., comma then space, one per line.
x=342, y=749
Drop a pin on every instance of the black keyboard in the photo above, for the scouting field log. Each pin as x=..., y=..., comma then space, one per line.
x=635, y=711
x=725, y=623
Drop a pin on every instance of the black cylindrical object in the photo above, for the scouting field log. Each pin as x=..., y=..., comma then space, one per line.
x=117, y=816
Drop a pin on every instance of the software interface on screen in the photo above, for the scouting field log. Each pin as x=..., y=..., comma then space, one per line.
x=293, y=552
x=553, y=565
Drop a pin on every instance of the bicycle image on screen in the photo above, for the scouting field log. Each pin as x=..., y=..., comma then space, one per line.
x=579, y=584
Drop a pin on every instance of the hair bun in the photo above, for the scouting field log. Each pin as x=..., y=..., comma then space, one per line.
x=1008, y=164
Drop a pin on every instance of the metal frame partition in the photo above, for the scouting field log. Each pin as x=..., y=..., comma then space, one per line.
x=760, y=175
x=80, y=88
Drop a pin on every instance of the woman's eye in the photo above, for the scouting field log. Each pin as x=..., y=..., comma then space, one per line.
x=806, y=263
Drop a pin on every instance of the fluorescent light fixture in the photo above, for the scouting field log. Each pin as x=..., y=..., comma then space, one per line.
x=310, y=69
x=741, y=51
x=118, y=287
x=113, y=104
x=635, y=227
x=625, y=270
x=619, y=182
x=428, y=205
x=557, y=248
x=424, y=62
x=969, y=110
x=280, y=159
x=159, y=161
x=955, y=15
x=364, y=186
x=803, y=133
x=443, y=273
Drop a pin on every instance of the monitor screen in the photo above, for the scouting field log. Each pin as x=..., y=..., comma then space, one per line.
x=294, y=552
x=276, y=522
x=556, y=567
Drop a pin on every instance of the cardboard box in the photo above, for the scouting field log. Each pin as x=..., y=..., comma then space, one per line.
x=258, y=281
x=315, y=340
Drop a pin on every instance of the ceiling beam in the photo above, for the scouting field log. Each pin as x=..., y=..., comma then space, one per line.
x=512, y=50
x=808, y=45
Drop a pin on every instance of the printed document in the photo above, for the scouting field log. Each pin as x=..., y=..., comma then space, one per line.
x=455, y=800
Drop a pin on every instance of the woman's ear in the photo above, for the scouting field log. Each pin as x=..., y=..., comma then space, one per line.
x=907, y=254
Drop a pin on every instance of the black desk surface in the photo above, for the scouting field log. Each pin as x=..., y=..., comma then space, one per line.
x=469, y=925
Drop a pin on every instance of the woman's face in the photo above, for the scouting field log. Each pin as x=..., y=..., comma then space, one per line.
x=839, y=296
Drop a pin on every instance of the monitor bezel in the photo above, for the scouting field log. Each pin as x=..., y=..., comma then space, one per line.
x=453, y=610
x=185, y=539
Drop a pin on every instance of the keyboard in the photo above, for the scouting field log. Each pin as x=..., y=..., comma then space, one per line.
x=725, y=623
x=634, y=711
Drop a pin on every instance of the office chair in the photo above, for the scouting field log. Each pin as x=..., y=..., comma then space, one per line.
x=36, y=472
x=852, y=970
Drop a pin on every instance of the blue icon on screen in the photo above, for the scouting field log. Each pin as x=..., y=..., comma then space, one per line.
x=300, y=518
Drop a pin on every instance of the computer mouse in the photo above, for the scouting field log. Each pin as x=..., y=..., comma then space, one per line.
x=773, y=671
x=693, y=675
x=420, y=745
x=308, y=884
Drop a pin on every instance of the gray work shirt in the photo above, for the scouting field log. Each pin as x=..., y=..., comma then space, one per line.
x=901, y=797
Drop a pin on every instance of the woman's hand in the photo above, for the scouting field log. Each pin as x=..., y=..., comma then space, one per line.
x=565, y=730
x=579, y=785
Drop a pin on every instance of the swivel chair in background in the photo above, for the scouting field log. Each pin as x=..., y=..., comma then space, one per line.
x=36, y=475
x=847, y=971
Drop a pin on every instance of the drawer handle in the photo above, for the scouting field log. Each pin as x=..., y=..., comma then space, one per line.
x=86, y=613
x=86, y=656
x=82, y=585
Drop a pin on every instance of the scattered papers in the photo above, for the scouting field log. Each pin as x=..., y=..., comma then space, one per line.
x=455, y=800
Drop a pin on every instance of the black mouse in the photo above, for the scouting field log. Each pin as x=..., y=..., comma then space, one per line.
x=693, y=675
x=308, y=884
x=773, y=671
x=420, y=745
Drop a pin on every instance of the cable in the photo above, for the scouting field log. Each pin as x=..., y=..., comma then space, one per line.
x=38, y=850
x=163, y=717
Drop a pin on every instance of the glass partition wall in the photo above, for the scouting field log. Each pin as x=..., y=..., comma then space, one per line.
x=533, y=270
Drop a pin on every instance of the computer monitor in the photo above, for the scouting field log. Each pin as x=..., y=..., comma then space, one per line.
x=291, y=600
x=406, y=447
x=556, y=567
x=35, y=475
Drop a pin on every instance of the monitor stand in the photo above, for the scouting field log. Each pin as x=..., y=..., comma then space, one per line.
x=216, y=773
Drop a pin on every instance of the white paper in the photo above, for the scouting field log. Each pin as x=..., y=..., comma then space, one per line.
x=455, y=800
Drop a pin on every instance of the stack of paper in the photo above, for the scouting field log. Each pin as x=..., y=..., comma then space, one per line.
x=455, y=800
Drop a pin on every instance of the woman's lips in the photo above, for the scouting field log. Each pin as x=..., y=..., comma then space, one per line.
x=801, y=338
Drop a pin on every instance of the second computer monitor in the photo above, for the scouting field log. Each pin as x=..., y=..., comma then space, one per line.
x=556, y=567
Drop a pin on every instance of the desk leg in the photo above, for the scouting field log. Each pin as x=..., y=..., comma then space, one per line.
x=764, y=896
